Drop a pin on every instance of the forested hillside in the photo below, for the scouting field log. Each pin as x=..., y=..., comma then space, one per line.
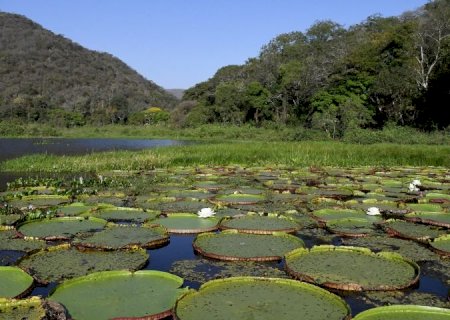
x=46, y=77
x=384, y=70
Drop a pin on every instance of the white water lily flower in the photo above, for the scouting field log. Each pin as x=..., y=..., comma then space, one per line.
x=206, y=213
x=373, y=211
x=413, y=186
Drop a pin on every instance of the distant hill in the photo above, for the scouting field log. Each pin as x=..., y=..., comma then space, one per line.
x=178, y=93
x=36, y=64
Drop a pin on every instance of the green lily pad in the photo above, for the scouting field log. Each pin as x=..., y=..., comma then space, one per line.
x=440, y=219
x=442, y=245
x=180, y=206
x=260, y=224
x=404, y=312
x=329, y=214
x=239, y=198
x=30, y=309
x=74, y=209
x=121, y=214
x=409, y=249
x=232, y=245
x=352, y=268
x=64, y=262
x=187, y=223
x=353, y=227
x=143, y=294
x=14, y=282
x=424, y=207
x=39, y=201
x=60, y=228
x=260, y=298
x=9, y=219
x=121, y=237
x=9, y=241
x=413, y=231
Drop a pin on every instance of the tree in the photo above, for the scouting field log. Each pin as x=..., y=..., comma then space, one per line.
x=434, y=30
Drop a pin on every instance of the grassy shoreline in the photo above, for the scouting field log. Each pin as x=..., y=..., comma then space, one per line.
x=251, y=154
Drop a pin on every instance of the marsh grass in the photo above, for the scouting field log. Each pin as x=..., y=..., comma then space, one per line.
x=294, y=154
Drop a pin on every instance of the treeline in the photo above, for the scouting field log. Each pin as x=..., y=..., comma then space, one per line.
x=47, y=78
x=393, y=70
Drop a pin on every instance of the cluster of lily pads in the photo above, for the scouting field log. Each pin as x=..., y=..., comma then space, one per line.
x=327, y=230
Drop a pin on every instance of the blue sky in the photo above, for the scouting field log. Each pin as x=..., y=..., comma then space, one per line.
x=178, y=43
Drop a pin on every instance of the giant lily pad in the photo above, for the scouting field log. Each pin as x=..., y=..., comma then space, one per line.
x=260, y=224
x=187, y=223
x=118, y=214
x=60, y=228
x=240, y=198
x=442, y=245
x=261, y=298
x=353, y=227
x=64, y=262
x=233, y=246
x=39, y=201
x=324, y=215
x=120, y=237
x=9, y=241
x=30, y=309
x=73, y=209
x=413, y=231
x=404, y=312
x=120, y=294
x=440, y=219
x=352, y=268
x=14, y=282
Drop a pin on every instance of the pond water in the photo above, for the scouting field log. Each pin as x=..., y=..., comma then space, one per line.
x=16, y=147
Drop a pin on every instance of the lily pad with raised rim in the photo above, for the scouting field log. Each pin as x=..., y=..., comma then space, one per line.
x=60, y=228
x=74, y=209
x=261, y=298
x=64, y=262
x=324, y=215
x=424, y=207
x=122, y=214
x=442, y=245
x=9, y=241
x=30, y=309
x=232, y=245
x=121, y=237
x=187, y=223
x=352, y=227
x=239, y=198
x=404, y=312
x=440, y=219
x=352, y=268
x=260, y=224
x=146, y=294
x=413, y=231
x=39, y=201
x=14, y=282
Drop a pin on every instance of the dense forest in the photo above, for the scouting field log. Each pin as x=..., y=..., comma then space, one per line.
x=47, y=78
x=393, y=70
x=385, y=71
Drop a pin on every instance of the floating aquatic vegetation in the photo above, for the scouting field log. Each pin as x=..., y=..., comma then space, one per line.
x=73, y=209
x=187, y=223
x=260, y=298
x=202, y=270
x=260, y=224
x=382, y=298
x=14, y=282
x=413, y=231
x=65, y=262
x=324, y=215
x=351, y=268
x=352, y=227
x=404, y=312
x=122, y=214
x=442, y=245
x=239, y=198
x=122, y=237
x=9, y=240
x=143, y=294
x=408, y=249
x=440, y=219
x=60, y=228
x=232, y=245
x=30, y=309
x=39, y=201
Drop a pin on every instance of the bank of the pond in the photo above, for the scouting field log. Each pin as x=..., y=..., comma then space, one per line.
x=299, y=154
